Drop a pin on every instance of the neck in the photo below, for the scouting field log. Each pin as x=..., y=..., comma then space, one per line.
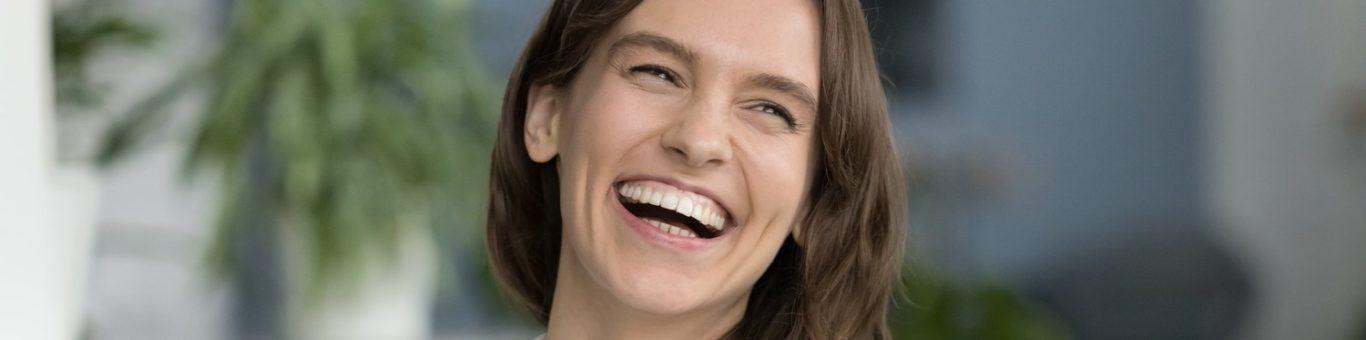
x=583, y=309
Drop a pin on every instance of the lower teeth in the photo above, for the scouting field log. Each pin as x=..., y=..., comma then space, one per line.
x=671, y=229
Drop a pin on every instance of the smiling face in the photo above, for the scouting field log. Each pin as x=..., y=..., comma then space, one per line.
x=685, y=150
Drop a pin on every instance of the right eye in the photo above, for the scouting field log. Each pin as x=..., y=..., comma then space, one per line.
x=656, y=72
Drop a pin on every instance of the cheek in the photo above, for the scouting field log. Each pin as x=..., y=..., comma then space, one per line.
x=598, y=130
x=606, y=119
x=779, y=176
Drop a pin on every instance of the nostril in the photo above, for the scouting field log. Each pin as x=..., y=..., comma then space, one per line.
x=678, y=151
x=682, y=155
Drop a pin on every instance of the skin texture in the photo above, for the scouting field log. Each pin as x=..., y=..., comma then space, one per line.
x=707, y=115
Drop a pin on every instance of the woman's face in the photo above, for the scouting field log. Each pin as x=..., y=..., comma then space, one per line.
x=685, y=148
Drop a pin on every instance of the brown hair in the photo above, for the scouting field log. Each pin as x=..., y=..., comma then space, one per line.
x=835, y=282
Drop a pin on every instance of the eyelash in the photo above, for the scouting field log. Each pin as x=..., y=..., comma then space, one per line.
x=658, y=72
x=778, y=110
x=766, y=107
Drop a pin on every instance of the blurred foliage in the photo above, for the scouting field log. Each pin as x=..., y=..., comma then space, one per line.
x=79, y=32
x=936, y=308
x=345, y=119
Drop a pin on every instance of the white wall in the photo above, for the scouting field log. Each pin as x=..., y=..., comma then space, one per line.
x=1286, y=185
x=36, y=274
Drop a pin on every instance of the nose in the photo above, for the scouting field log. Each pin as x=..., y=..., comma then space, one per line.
x=700, y=135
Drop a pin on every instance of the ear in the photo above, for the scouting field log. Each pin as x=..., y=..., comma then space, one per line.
x=542, y=126
x=801, y=220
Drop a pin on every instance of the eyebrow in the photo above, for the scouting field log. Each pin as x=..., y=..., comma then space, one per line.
x=655, y=42
x=673, y=48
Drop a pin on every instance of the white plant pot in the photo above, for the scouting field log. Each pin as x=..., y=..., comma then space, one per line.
x=391, y=300
x=75, y=203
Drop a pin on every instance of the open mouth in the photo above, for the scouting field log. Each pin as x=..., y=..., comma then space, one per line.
x=674, y=211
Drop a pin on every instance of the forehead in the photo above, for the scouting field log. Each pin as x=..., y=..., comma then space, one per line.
x=746, y=36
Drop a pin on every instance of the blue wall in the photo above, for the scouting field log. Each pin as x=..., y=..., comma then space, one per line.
x=1088, y=107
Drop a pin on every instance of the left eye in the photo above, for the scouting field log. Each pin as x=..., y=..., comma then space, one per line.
x=773, y=110
x=656, y=72
x=778, y=111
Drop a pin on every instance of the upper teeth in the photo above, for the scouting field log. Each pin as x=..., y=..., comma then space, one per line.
x=689, y=204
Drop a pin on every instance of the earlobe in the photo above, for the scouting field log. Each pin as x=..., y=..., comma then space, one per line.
x=800, y=225
x=542, y=123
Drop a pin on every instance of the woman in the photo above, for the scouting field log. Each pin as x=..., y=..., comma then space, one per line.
x=698, y=169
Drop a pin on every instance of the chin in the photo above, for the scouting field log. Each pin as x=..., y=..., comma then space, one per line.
x=661, y=292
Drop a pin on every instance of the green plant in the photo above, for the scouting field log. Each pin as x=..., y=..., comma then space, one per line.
x=79, y=32
x=936, y=308
x=347, y=118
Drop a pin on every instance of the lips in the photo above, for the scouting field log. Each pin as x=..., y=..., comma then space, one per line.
x=673, y=210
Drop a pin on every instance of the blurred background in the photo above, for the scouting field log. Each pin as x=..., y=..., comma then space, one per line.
x=254, y=169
